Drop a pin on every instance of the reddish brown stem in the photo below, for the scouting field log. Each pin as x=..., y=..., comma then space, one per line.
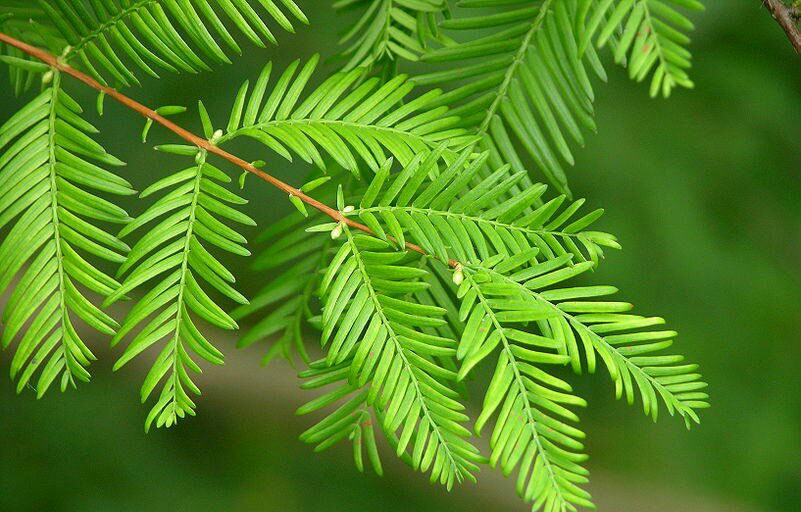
x=193, y=139
x=786, y=16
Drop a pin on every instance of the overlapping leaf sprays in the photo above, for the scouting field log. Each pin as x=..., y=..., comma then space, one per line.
x=507, y=263
x=443, y=254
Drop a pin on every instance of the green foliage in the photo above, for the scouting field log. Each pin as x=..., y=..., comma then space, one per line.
x=521, y=83
x=115, y=39
x=441, y=256
x=369, y=320
x=351, y=420
x=532, y=430
x=23, y=19
x=352, y=120
x=652, y=39
x=601, y=327
x=175, y=251
x=453, y=224
x=389, y=30
x=501, y=299
x=59, y=238
x=510, y=257
x=284, y=303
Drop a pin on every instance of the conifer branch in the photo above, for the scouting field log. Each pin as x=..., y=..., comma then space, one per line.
x=190, y=137
x=400, y=333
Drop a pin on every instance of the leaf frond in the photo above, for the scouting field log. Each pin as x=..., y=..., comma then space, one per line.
x=58, y=238
x=389, y=30
x=533, y=430
x=431, y=208
x=632, y=351
x=650, y=38
x=370, y=325
x=117, y=39
x=350, y=122
x=521, y=84
x=174, y=253
x=351, y=420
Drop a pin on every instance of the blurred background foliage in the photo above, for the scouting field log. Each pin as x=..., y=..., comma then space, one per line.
x=703, y=191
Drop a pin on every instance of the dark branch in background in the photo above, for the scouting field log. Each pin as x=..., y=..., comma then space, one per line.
x=788, y=17
x=193, y=139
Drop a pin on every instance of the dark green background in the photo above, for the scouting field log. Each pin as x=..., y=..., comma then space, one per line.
x=702, y=190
